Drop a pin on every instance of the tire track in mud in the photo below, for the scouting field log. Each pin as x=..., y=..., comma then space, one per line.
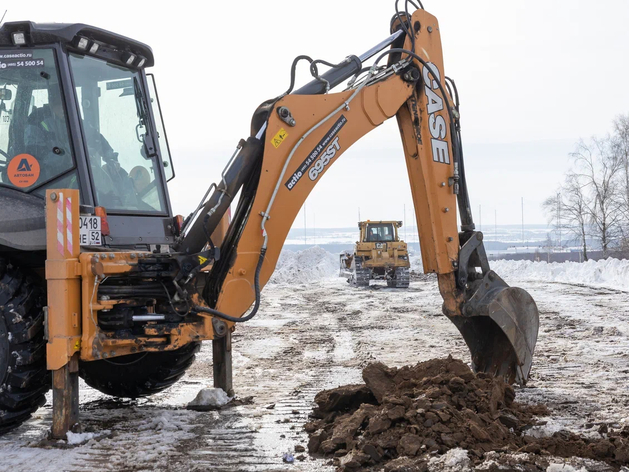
x=580, y=365
x=305, y=347
x=315, y=336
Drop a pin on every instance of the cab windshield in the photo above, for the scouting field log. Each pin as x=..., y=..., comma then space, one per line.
x=380, y=233
x=34, y=140
x=115, y=122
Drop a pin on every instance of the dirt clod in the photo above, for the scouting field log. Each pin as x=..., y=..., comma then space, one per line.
x=403, y=416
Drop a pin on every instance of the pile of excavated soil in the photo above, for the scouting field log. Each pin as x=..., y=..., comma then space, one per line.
x=401, y=419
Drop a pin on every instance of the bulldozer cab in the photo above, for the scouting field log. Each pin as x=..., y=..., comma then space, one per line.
x=380, y=231
x=77, y=110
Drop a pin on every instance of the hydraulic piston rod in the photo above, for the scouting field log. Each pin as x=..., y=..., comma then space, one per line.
x=352, y=65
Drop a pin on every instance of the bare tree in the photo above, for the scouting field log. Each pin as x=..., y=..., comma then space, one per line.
x=598, y=168
x=575, y=209
x=620, y=143
x=568, y=210
x=553, y=208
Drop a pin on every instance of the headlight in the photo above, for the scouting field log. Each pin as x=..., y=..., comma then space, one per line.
x=19, y=38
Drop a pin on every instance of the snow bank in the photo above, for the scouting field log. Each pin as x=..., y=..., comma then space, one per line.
x=209, y=398
x=417, y=264
x=455, y=460
x=564, y=468
x=305, y=266
x=610, y=273
x=78, y=438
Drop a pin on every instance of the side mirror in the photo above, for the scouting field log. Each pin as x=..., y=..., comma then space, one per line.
x=6, y=94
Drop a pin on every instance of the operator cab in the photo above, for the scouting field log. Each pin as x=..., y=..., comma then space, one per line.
x=379, y=231
x=77, y=110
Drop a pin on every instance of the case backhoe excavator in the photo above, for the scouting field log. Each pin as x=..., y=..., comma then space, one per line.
x=99, y=279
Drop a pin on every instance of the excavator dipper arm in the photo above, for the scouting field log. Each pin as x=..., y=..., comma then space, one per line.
x=300, y=135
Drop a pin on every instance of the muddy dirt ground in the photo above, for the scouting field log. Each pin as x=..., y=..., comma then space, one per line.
x=321, y=335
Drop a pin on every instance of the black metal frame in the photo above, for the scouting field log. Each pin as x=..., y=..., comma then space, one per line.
x=128, y=228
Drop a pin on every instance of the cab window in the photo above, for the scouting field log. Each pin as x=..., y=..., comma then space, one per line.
x=34, y=139
x=379, y=233
x=114, y=114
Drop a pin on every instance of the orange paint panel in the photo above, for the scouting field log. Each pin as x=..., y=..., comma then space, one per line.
x=318, y=151
x=62, y=277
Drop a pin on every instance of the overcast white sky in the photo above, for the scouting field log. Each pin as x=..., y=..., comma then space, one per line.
x=534, y=76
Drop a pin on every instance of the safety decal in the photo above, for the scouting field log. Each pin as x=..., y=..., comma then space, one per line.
x=279, y=138
x=69, y=240
x=23, y=170
x=321, y=155
x=60, y=239
x=202, y=260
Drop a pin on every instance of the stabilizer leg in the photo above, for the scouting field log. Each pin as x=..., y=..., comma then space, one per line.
x=65, y=398
x=222, y=362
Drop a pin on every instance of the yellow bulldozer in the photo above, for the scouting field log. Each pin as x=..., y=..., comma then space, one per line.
x=379, y=254
x=100, y=279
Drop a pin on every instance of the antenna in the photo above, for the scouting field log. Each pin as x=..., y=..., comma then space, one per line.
x=2, y=19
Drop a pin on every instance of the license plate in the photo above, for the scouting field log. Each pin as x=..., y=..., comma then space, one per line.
x=90, y=231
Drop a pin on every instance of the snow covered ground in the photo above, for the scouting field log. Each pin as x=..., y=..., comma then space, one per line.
x=314, y=331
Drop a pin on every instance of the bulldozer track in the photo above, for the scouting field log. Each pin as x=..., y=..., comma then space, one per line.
x=401, y=279
x=360, y=276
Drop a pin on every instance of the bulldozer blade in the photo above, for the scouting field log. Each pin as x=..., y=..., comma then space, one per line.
x=500, y=326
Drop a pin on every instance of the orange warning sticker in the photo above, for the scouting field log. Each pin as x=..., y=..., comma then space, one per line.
x=23, y=170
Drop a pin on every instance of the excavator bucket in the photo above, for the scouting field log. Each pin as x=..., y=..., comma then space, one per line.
x=500, y=325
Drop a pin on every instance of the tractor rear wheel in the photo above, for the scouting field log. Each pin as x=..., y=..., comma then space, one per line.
x=24, y=379
x=138, y=375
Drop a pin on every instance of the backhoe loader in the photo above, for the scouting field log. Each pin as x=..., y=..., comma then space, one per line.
x=98, y=277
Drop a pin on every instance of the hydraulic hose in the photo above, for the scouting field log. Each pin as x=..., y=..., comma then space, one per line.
x=256, y=284
x=266, y=215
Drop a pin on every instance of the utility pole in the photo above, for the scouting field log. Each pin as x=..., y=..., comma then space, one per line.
x=496, y=225
x=406, y=240
x=559, y=218
x=480, y=218
x=523, y=221
x=305, y=238
x=358, y=213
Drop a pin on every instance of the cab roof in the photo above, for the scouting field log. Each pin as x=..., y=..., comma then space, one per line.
x=369, y=222
x=112, y=47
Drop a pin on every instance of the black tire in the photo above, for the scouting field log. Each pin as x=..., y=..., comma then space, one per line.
x=138, y=375
x=23, y=375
